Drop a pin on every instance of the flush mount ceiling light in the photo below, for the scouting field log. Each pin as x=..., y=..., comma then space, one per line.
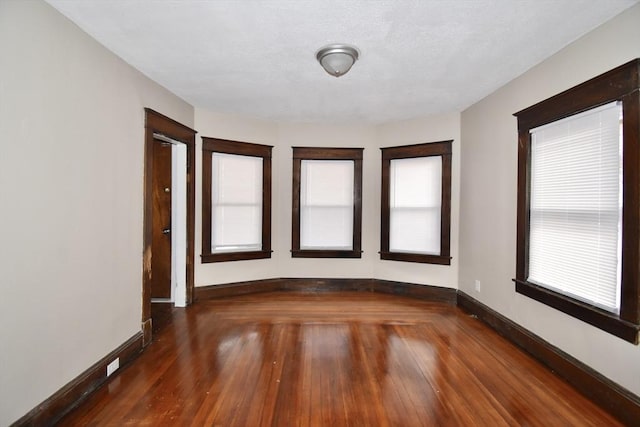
x=337, y=59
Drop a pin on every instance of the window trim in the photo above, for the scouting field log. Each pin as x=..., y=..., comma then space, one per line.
x=439, y=148
x=620, y=84
x=209, y=146
x=323, y=153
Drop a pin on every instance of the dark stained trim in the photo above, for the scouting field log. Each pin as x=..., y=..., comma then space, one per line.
x=413, y=257
x=620, y=402
x=325, y=153
x=159, y=123
x=209, y=146
x=426, y=292
x=75, y=392
x=237, y=288
x=607, y=87
x=630, y=305
x=599, y=318
x=442, y=149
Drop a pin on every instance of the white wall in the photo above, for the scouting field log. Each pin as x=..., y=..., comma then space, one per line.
x=488, y=198
x=71, y=171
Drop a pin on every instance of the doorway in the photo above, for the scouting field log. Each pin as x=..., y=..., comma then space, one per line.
x=169, y=215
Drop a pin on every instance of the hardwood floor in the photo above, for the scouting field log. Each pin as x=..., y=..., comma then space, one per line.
x=333, y=359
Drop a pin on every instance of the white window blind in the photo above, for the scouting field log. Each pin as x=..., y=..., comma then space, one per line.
x=236, y=197
x=415, y=197
x=326, y=204
x=576, y=207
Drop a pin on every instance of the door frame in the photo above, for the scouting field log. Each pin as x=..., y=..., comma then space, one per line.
x=159, y=123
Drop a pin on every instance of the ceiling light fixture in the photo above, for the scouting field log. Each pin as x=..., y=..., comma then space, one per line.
x=337, y=59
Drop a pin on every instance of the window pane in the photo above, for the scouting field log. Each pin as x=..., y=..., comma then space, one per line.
x=415, y=230
x=237, y=228
x=237, y=203
x=326, y=227
x=237, y=179
x=326, y=204
x=415, y=198
x=576, y=208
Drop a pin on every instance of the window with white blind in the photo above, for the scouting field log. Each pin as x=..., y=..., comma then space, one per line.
x=236, y=197
x=416, y=203
x=236, y=200
x=578, y=202
x=327, y=205
x=576, y=206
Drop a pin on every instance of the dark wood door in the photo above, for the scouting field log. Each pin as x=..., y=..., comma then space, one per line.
x=161, y=240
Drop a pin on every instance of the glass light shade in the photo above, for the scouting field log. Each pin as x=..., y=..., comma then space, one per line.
x=337, y=59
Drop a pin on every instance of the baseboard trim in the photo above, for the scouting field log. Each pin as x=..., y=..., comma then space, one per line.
x=75, y=392
x=236, y=288
x=620, y=402
x=427, y=292
x=325, y=285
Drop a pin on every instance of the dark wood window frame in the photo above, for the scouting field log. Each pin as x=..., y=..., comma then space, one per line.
x=209, y=146
x=439, y=148
x=620, y=84
x=322, y=153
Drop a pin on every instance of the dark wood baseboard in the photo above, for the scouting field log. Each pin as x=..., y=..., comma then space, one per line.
x=237, y=288
x=620, y=402
x=426, y=292
x=325, y=285
x=71, y=395
x=432, y=293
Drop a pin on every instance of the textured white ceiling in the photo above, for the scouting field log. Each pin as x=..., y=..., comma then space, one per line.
x=257, y=58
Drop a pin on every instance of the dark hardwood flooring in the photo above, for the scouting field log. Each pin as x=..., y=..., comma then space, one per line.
x=332, y=359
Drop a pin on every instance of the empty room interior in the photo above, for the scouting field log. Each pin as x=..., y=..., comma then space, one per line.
x=314, y=213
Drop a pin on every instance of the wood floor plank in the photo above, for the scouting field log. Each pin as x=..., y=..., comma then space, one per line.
x=332, y=359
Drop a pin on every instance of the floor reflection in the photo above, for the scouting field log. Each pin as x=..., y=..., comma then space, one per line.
x=340, y=359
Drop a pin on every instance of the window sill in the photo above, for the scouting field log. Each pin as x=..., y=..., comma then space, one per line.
x=421, y=258
x=316, y=253
x=234, y=256
x=597, y=317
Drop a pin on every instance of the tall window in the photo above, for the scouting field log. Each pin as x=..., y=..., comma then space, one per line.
x=578, y=202
x=236, y=202
x=416, y=203
x=327, y=202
